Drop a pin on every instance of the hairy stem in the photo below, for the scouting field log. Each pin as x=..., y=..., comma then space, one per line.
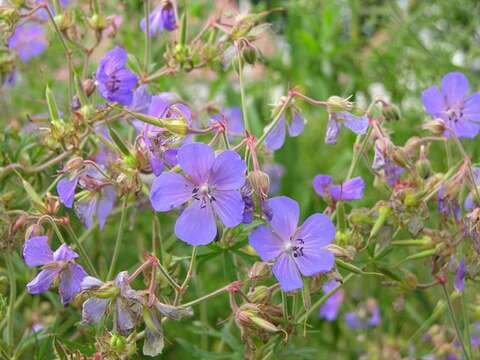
x=118, y=242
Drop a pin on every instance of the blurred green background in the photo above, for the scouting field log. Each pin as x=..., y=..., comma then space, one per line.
x=338, y=47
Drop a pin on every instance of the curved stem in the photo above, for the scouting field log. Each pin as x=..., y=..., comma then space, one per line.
x=13, y=295
x=118, y=241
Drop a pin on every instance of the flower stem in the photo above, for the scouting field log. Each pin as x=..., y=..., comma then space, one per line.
x=118, y=241
x=13, y=295
x=242, y=95
x=466, y=323
x=146, y=60
x=454, y=321
x=274, y=122
x=324, y=298
x=82, y=251
x=206, y=297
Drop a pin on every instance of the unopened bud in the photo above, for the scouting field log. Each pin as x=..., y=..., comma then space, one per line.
x=260, y=182
x=259, y=270
x=436, y=126
x=339, y=104
x=88, y=86
x=249, y=54
x=34, y=230
x=347, y=252
x=98, y=22
x=424, y=168
x=63, y=21
x=177, y=126
x=118, y=343
x=260, y=294
x=74, y=164
x=399, y=156
x=9, y=15
x=391, y=112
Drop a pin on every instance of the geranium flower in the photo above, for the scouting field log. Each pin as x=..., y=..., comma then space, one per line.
x=366, y=315
x=114, y=81
x=294, y=250
x=347, y=191
x=460, y=276
x=118, y=295
x=55, y=265
x=210, y=186
x=231, y=119
x=358, y=124
x=329, y=310
x=295, y=126
x=161, y=18
x=452, y=104
x=28, y=40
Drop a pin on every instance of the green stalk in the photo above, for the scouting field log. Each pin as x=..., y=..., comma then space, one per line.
x=466, y=323
x=13, y=295
x=146, y=59
x=82, y=251
x=118, y=241
x=455, y=322
x=274, y=122
x=242, y=94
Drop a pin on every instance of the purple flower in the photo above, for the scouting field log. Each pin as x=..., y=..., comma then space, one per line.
x=358, y=124
x=42, y=14
x=55, y=265
x=66, y=190
x=329, y=310
x=460, y=276
x=447, y=206
x=470, y=203
x=276, y=138
x=350, y=190
x=366, y=315
x=162, y=18
x=460, y=112
x=115, y=82
x=211, y=186
x=231, y=119
x=157, y=140
x=294, y=249
x=96, y=204
x=28, y=40
x=275, y=172
x=383, y=160
x=118, y=296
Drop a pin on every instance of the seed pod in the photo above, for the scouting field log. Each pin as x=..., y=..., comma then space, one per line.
x=260, y=183
x=339, y=104
x=436, y=127
x=177, y=126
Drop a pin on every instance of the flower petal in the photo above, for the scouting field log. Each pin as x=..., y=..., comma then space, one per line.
x=94, y=309
x=196, y=160
x=90, y=282
x=471, y=107
x=105, y=204
x=196, y=225
x=287, y=273
x=66, y=191
x=454, y=87
x=64, y=253
x=42, y=282
x=333, y=129
x=266, y=243
x=37, y=252
x=285, y=214
x=329, y=310
x=322, y=185
x=228, y=171
x=276, y=138
x=86, y=209
x=350, y=190
x=297, y=125
x=433, y=101
x=70, y=281
x=170, y=190
x=358, y=124
x=229, y=206
x=465, y=128
x=316, y=232
x=234, y=118
x=314, y=260
x=460, y=276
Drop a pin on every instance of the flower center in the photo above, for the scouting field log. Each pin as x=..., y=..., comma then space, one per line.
x=294, y=247
x=204, y=194
x=113, y=84
x=455, y=113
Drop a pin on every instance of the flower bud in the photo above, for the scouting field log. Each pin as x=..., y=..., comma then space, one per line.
x=436, y=126
x=177, y=126
x=9, y=15
x=34, y=230
x=63, y=21
x=424, y=168
x=98, y=22
x=391, y=112
x=260, y=294
x=260, y=183
x=259, y=270
x=74, y=164
x=339, y=104
x=88, y=86
x=249, y=53
x=118, y=343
